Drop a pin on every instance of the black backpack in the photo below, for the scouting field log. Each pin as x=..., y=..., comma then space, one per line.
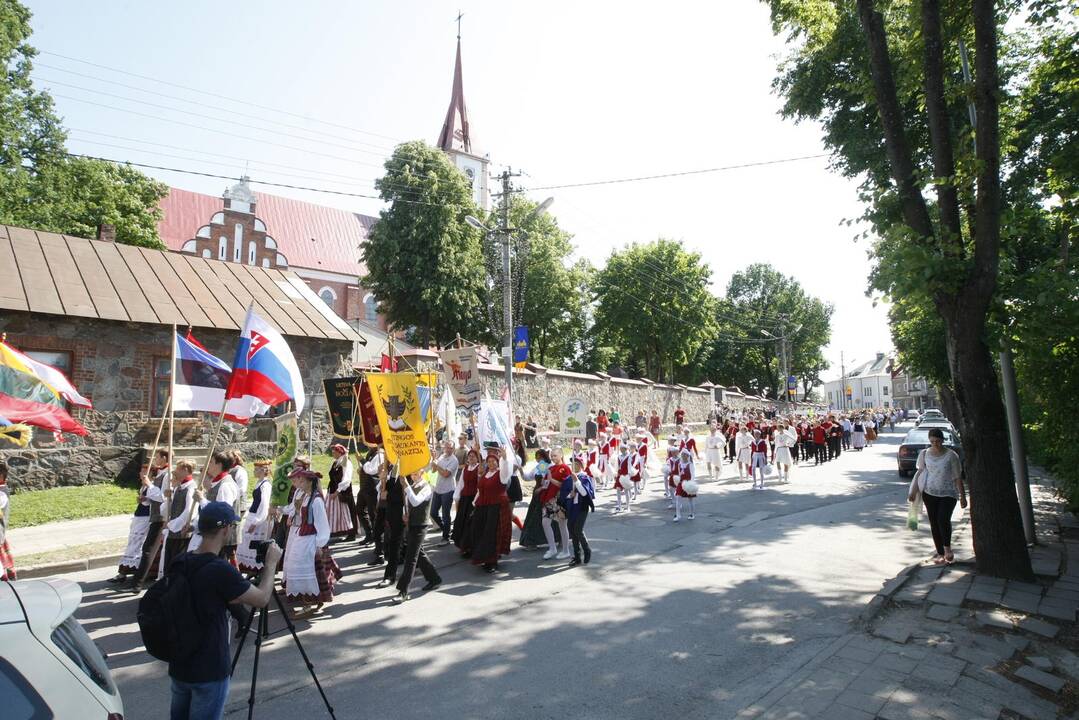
x=168, y=621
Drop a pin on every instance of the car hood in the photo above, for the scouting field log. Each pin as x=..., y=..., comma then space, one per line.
x=47, y=603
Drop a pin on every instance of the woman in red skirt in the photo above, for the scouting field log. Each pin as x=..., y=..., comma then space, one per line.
x=490, y=526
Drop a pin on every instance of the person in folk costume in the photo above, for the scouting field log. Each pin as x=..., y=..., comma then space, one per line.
x=641, y=478
x=759, y=459
x=308, y=570
x=686, y=489
x=713, y=451
x=138, y=536
x=687, y=442
x=338, y=511
x=154, y=485
x=220, y=487
x=491, y=517
x=258, y=522
x=783, y=440
x=367, y=501
x=743, y=443
x=857, y=434
x=730, y=431
x=870, y=429
x=417, y=493
x=579, y=496
x=465, y=496
x=578, y=452
x=394, y=519
x=592, y=460
x=180, y=500
x=606, y=461
x=532, y=535
x=670, y=472
x=626, y=468
x=554, y=513
x=7, y=560
x=239, y=475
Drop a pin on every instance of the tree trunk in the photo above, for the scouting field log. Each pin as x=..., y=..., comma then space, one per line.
x=950, y=406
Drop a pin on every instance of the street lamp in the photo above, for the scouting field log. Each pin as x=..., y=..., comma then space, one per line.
x=507, y=295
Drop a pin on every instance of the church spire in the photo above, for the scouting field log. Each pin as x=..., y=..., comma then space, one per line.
x=455, y=132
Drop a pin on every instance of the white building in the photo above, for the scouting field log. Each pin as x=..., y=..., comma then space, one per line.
x=867, y=385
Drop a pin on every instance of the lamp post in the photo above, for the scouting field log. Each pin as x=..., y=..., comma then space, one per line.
x=507, y=290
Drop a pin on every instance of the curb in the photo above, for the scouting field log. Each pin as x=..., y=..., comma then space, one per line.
x=891, y=587
x=62, y=568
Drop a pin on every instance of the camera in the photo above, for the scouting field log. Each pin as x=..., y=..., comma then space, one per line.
x=260, y=547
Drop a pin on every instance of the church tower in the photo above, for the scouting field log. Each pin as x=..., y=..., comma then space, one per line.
x=456, y=138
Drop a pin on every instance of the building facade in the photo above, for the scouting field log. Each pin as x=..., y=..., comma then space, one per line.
x=868, y=385
x=913, y=392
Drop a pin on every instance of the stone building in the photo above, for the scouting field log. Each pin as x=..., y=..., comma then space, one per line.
x=104, y=314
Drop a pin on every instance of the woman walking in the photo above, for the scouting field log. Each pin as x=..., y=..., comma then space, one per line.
x=532, y=532
x=465, y=494
x=857, y=434
x=939, y=480
x=309, y=572
x=491, y=517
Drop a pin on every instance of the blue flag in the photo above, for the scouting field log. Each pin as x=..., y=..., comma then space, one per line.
x=520, y=344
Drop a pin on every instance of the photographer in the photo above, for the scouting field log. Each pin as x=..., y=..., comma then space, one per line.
x=200, y=681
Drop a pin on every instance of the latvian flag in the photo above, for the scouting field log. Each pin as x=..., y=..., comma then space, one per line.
x=201, y=379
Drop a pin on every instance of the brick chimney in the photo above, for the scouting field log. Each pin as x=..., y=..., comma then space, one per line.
x=106, y=232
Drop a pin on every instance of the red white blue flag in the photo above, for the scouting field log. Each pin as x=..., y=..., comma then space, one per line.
x=264, y=372
x=201, y=379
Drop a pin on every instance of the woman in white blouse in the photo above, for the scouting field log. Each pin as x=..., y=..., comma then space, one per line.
x=309, y=572
x=939, y=481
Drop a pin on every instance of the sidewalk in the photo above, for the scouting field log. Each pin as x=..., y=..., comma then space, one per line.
x=944, y=642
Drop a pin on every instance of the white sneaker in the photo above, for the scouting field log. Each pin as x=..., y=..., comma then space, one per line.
x=677, y=518
x=691, y=516
x=550, y=554
x=563, y=555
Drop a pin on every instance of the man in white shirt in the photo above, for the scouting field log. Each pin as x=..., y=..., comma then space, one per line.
x=446, y=466
x=222, y=488
x=417, y=495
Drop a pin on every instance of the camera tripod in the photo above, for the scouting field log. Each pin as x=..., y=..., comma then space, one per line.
x=263, y=631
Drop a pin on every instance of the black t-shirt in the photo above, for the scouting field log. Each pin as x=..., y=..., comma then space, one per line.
x=214, y=586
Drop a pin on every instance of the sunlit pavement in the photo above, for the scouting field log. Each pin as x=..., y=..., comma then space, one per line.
x=695, y=619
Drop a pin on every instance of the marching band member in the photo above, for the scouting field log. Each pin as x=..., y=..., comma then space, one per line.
x=605, y=461
x=623, y=484
x=641, y=477
x=688, y=443
x=258, y=524
x=742, y=447
x=670, y=474
x=759, y=460
x=784, y=440
x=592, y=459
x=713, y=452
x=686, y=489
x=578, y=452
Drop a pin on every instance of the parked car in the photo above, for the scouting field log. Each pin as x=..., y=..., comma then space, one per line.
x=918, y=440
x=941, y=423
x=930, y=414
x=49, y=666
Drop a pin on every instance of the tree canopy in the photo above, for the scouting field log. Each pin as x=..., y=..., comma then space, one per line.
x=41, y=186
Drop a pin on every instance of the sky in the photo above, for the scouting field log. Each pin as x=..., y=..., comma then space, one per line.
x=316, y=94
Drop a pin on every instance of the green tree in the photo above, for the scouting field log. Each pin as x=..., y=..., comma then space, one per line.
x=653, y=307
x=424, y=261
x=885, y=82
x=41, y=186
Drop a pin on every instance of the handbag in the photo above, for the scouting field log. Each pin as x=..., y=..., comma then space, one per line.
x=917, y=483
x=513, y=490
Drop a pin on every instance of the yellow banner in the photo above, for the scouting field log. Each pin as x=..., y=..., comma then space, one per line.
x=397, y=404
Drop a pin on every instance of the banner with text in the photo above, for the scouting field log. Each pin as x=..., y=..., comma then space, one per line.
x=397, y=404
x=460, y=367
x=573, y=417
x=341, y=402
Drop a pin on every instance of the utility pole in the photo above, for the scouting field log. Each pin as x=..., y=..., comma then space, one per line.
x=842, y=381
x=507, y=288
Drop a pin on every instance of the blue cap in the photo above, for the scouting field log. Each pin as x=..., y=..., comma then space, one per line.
x=216, y=515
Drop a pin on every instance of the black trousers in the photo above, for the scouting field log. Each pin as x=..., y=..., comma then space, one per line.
x=378, y=531
x=939, y=510
x=149, y=549
x=395, y=528
x=367, y=506
x=415, y=557
x=822, y=452
x=730, y=450
x=806, y=449
x=576, y=533
x=174, y=547
x=833, y=447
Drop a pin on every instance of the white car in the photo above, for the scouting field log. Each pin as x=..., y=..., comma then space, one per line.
x=49, y=666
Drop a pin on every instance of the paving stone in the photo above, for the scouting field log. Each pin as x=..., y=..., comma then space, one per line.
x=953, y=711
x=842, y=665
x=1041, y=662
x=874, y=684
x=1046, y=567
x=987, y=595
x=994, y=618
x=929, y=572
x=912, y=593
x=893, y=661
x=1057, y=611
x=895, y=710
x=1032, y=588
x=810, y=701
x=858, y=654
x=825, y=679
x=1018, y=642
x=935, y=675
x=998, y=689
x=943, y=613
x=977, y=657
x=1057, y=593
x=1039, y=627
x=861, y=701
x=1050, y=682
x=868, y=642
x=842, y=712
x=948, y=595
x=976, y=707
x=1024, y=602
x=894, y=630
x=994, y=645
x=989, y=581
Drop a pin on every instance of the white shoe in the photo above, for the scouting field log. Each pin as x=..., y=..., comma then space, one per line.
x=691, y=516
x=677, y=518
x=563, y=555
x=550, y=554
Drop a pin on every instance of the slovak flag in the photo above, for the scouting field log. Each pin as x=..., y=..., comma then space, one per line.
x=264, y=372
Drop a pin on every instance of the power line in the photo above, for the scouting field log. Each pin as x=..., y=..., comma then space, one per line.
x=219, y=96
x=682, y=173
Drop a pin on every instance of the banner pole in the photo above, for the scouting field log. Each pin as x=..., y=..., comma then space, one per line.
x=160, y=427
x=213, y=441
x=172, y=393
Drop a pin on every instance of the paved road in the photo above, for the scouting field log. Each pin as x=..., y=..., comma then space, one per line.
x=695, y=619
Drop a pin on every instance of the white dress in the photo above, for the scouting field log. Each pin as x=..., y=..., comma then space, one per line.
x=783, y=442
x=258, y=526
x=299, y=573
x=713, y=448
x=136, y=536
x=743, y=443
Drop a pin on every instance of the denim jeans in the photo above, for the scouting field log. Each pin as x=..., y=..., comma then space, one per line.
x=198, y=701
x=440, y=511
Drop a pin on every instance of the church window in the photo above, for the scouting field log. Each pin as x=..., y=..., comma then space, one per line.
x=222, y=248
x=265, y=262
x=206, y=253
x=327, y=295
x=370, y=309
x=237, y=242
x=251, y=252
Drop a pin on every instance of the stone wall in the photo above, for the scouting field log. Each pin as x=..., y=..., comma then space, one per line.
x=539, y=392
x=112, y=364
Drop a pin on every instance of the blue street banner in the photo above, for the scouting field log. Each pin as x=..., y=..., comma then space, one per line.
x=520, y=344
x=792, y=385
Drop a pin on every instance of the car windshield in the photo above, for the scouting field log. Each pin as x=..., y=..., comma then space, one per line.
x=921, y=437
x=77, y=645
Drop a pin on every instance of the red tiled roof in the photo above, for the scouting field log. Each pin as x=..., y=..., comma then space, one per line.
x=308, y=235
